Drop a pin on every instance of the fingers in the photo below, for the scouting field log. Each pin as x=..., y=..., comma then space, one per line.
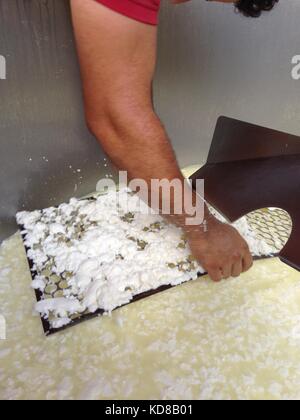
x=232, y=266
x=240, y=265
x=215, y=274
x=237, y=268
x=226, y=271
x=247, y=262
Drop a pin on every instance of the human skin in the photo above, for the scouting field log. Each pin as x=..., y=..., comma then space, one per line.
x=117, y=57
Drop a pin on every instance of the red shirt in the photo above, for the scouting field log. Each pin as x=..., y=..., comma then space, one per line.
x=142, y=10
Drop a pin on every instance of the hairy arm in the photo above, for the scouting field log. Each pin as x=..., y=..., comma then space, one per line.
x=117, y=57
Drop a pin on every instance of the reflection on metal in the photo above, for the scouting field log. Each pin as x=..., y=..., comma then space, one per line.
x=251, y=167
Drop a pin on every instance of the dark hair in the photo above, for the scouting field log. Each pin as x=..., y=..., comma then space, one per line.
x=254, y=8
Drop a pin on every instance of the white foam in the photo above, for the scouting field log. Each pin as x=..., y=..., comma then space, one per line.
x=114, y=258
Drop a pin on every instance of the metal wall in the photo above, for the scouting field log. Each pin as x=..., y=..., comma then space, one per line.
x=211, y=62
x=43, y=139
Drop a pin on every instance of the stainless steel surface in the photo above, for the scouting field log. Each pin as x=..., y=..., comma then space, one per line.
x=44, y=141
x=211, y=62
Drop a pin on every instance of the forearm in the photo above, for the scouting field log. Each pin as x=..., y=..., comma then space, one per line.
x=137, y=143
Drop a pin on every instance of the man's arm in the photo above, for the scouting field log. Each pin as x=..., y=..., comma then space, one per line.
x=117, y=57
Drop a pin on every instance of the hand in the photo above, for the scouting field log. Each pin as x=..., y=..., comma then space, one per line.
x=221, y=251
